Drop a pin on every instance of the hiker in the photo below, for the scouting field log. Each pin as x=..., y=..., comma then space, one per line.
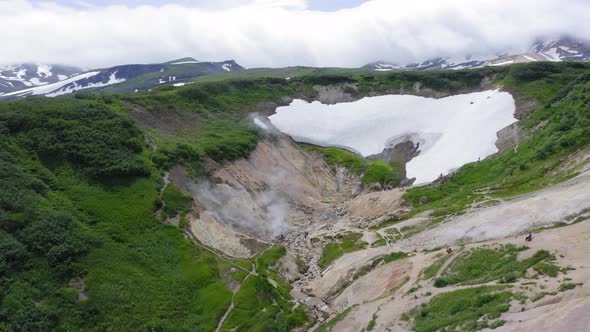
x=449, y=250
x=417, y=145
x=529, y=238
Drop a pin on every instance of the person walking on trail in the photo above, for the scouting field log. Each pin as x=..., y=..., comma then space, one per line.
x=529, y=238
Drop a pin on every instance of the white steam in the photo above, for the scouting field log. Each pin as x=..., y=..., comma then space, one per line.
x=260, y=214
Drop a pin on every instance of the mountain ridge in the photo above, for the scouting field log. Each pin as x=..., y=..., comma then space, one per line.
x=122, y=78
x=561, y=49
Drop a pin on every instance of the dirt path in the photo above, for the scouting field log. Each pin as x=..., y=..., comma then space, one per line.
x=219, y=254
x=231, y=306
x=166, y=179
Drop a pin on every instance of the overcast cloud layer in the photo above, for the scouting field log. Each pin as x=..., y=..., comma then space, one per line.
x=269, y=33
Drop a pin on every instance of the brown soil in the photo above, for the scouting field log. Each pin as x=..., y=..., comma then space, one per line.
x=169, y=121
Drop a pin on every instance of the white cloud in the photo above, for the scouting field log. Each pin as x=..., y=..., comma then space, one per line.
x=280, y=32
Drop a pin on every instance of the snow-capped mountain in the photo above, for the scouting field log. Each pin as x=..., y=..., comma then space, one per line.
x=431, y=64
x=26, y=75
x=563, y=49
x=125, y=78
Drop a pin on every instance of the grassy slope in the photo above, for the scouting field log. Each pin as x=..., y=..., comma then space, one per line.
x=371, y=171
x=288, y=72
x=347, y=243
x=482, y=265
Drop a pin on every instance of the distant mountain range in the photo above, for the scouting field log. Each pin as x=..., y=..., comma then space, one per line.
x=23, y=76
x=54, y=80
x=563, y=49
x=24, y=80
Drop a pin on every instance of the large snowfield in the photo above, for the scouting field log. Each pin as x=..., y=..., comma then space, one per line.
x=452, y=131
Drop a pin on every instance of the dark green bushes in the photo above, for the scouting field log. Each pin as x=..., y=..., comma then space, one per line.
x=90, y=136
x=175, y=201
x=166, y=158
x=12, y=254
x=327, y=79
x=533, y=71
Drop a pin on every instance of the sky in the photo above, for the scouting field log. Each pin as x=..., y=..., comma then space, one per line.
x=321, y=5
x=277, y=33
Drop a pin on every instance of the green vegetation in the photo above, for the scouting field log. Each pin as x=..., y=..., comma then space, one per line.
x=327, y=326
x=372, y=171
x=295, y=73
x=482, y=265
x=78, y=202
x=86, y=134
x=175, y=201
x=433, y=269
x=372, y=323
x=347, y=243
x=468, y=309
x=340, y=157
x=566, y=286
x=393, y=235
x=381, y=241
x=262, y=306
x=548, y=269
x=206, y=121
x=541, y=295
x=395, y=256
x=382, y=173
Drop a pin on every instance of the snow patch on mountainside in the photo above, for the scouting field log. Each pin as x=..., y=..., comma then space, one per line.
x=563, y=49
x=450, y=131
x=44, y=70
x=75, y=87
x=185, y=62
x=45, y=89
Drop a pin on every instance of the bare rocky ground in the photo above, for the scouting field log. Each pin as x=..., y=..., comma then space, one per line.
x=564, y=311
x=326, y=202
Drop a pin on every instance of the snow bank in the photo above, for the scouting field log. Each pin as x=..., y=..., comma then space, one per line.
x=184, y=63
x=503, y=63
x=451, y=131
x=45, y=89
x=75, y=87
x=44, y=71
